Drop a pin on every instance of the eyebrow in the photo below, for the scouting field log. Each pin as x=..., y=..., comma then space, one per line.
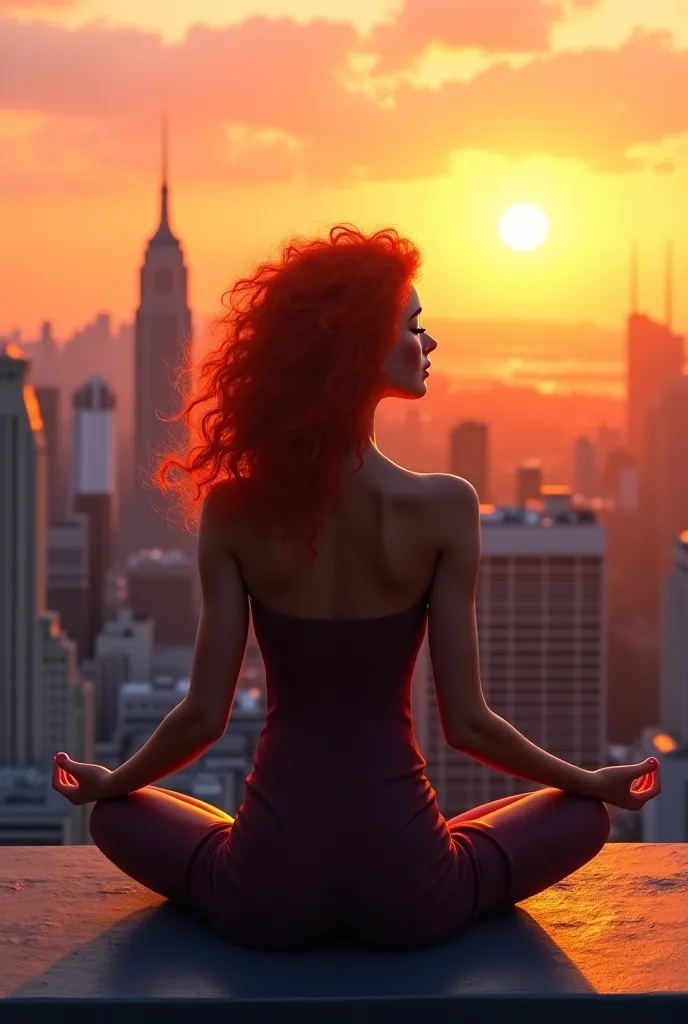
x=417, y=313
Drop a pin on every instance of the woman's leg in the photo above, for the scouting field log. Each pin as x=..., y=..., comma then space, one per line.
x=152, y=836
x=488, y=808
x=195, y=802
x=543, y=836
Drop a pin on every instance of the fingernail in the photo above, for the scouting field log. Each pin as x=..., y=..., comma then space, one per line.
x=654, y=762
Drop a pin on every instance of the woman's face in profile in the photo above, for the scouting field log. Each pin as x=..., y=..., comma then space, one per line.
x=406, y=366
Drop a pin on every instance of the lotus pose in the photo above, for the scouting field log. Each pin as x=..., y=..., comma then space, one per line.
x=343, y=557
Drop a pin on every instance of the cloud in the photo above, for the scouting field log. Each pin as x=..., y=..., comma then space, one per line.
x=492, y=25
x=589, y=105
x=8, y=6
x=264, y=100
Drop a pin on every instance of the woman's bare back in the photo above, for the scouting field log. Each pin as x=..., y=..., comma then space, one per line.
x=374, y=557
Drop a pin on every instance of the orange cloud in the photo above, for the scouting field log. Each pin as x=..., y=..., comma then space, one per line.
x=493, y=25
x=265, y=100
x=26, y=5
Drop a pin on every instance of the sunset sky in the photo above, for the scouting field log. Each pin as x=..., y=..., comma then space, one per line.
x=431, y=115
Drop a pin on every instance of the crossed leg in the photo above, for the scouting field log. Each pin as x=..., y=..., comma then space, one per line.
x=152, y=836
x=544, y=836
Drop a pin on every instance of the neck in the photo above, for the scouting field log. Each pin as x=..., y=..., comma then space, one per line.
x=369, y=448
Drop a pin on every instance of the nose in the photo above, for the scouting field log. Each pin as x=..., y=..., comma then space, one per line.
x=429, y=343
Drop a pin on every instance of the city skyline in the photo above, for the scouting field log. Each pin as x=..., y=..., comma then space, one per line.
x=282, y=155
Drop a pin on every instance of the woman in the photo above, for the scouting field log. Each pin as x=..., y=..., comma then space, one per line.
x=343, y=556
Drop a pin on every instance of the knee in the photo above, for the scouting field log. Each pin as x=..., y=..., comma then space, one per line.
x=595, y=824
x=104, y=821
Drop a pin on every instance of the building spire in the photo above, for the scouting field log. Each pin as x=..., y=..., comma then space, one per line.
x=164, y=236
x=164, y=221
x=668, y=282
x=634, y=276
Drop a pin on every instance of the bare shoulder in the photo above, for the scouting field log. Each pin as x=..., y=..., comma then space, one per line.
x=454, y=500
x=452, y=488
x=218, y=526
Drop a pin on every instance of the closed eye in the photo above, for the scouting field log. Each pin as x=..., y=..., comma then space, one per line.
x=418, y=330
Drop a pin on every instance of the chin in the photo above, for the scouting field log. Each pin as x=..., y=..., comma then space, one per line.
x=411, y=391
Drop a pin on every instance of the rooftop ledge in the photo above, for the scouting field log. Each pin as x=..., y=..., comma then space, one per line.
x=79, y=941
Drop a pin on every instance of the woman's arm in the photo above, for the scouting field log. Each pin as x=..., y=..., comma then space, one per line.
x=201, y=716
x=468, y=723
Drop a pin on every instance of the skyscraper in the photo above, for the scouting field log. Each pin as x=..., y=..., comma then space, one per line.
x=674, y=659
x=540, y=610
x=162, y=346
x=49, y=404
x=94, y=485
x=671, y=468
x=654, y=356
x=468, y=456
x=584, y=468
x=162, y=585
x=23, y=544
x=528, y=482
x=68, y=583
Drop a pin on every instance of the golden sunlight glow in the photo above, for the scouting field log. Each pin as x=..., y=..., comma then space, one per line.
x=664, y=743
x=523, y=227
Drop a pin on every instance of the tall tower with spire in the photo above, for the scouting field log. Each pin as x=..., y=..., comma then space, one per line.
x=162, y=346
x=654, y=356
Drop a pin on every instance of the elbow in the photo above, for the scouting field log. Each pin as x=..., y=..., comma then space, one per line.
x=204, y=728
x=211, y=731
x=467, y=735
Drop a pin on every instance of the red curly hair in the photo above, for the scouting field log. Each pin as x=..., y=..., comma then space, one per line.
x=289, y=390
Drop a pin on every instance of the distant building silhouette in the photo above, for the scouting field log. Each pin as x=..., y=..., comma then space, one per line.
x=68, y=579
x=23, y=543
x=49, y=403
x=528, y=482
x=654, y=356
x=674, y=661
x=468, y=456
x=584, y=468
x=124, y=653
x=618, y=464
x=94, y=484
x=671, y=468
x=161, y=585
x=540, y=610
x=665, y=820
x=162, y=346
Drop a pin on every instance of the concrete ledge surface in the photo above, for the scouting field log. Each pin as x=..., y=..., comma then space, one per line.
x=81, y=941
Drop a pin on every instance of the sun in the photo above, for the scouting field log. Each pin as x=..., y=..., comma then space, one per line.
x=523, y=227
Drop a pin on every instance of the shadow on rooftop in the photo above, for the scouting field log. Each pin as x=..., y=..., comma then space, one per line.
x=165, y=952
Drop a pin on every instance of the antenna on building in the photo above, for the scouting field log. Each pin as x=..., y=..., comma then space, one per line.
x=165, y=137
x=668, y=281
x=634, y=276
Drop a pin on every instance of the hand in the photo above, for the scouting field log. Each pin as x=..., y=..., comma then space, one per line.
x=79, y=783
x=628, y=786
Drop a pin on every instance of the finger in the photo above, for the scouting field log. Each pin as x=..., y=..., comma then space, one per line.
x=649, y=791
x=60, y=784
x=644, y=782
